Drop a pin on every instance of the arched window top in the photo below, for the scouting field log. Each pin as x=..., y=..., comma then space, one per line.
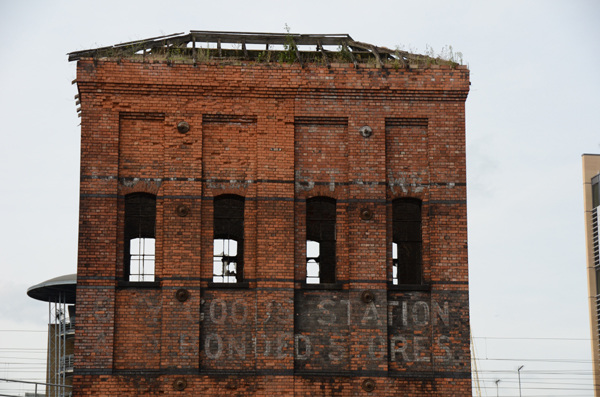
x=320, y=208
x=406, y=209
x=140, y=197
x=230, y=197
x=321, y=198
x=229, y=217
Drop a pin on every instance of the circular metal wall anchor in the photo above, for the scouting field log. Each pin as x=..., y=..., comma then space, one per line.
x=366, y=214
x=366, y=131
x=368, y=385
x=367, y=296
x=182, y=294
x=182, y=210
x=179, y=384
x=183, y=127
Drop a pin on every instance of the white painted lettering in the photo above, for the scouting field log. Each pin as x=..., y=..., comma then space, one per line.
x=443, y=342
x=347, y=303
x=306, y=351
x=218, y=311
x=371, y=314
x=329, y=316
x=211, y=340
x=443, y=314
x=420, y=349
x=420, y=313
x=237, y=345
x=398, y=344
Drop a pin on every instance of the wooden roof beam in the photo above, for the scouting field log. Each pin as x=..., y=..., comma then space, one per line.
x=320, y=48
x=370, y=48
x=354, y=61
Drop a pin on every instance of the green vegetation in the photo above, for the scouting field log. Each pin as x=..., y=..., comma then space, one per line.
x=288, y=55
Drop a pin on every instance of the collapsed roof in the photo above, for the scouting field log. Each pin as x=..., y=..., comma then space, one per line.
x=199, y=46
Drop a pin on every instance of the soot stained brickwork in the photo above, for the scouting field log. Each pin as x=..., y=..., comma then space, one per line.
x=275, y=135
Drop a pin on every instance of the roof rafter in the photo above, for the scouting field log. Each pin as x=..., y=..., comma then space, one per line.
x=186, y=45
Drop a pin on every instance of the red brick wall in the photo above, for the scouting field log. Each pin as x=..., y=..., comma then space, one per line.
x=276, y=135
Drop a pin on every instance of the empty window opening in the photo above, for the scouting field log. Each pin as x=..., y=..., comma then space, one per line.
x=228, y=240
x=407, y=242
x=320, y=240
x=312, y=262
x=142, y=259
x=225, y=260
x=140, y=229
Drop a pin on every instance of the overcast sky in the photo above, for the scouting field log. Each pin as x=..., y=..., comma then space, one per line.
x=532, y=111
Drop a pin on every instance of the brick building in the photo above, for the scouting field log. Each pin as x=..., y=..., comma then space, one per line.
x=271, y=214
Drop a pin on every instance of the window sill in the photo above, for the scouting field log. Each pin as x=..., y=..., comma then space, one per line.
x=409, y=287
x=242, y=285
x=324, y=286
x=138, y=284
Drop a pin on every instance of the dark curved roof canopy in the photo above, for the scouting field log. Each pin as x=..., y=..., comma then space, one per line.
x=58, y=289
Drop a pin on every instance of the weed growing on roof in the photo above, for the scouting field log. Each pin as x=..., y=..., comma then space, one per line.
x=288, y=55
x=445, y=55
x=343, y=54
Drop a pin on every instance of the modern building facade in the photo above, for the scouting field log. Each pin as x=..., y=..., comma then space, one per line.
x=591, y=202
x=271, y=215
x=59, y=292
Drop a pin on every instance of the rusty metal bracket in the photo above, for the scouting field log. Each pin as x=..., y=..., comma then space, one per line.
x=365, y=131
x=182, y=210
x=182, y=294
x=366, y=214
x=368, y=385
x=367, y=296
x=179, y=384
x=183, y=127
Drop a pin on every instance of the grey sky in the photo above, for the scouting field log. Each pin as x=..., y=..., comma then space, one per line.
x=532, y=111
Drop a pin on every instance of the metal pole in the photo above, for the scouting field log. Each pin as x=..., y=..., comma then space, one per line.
x=497, y=381
x=63, y=329
x=55, y=337
x=61, y=335
x=49, y=377
x=519, y=373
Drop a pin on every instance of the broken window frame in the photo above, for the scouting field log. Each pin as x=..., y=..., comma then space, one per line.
x=407, y=238
x=321, y=229
x=228, y=227
x=140, y=233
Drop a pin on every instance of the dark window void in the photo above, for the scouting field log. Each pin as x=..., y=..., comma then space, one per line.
x=407, y=242
x=140, y=229
x=320, y=240
x=228, y=241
